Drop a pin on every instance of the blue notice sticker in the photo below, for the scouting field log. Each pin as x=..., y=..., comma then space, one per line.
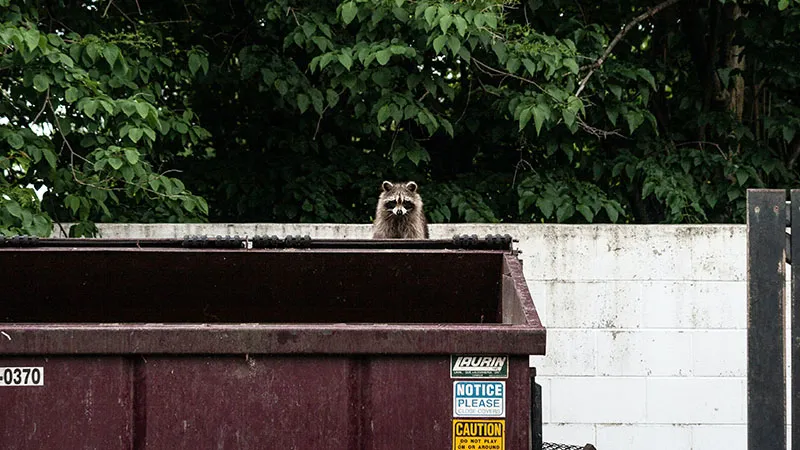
x=479, y=398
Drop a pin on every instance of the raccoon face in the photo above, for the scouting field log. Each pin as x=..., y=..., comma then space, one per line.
x=399, y=199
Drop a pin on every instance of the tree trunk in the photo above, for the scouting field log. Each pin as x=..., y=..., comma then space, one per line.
x=735, y=60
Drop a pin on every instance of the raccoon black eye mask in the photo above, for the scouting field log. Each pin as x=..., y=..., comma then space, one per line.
x=399, y=214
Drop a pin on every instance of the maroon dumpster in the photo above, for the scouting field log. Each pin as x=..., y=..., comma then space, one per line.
x=265, y=344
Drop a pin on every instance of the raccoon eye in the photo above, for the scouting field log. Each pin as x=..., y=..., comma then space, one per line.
x=391, y=204
x=408, y=205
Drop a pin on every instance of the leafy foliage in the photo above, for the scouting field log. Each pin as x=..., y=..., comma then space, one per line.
x=280, y=110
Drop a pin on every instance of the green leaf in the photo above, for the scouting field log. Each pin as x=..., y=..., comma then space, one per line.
x=132, y=155
x=500, y=50
x=612, y=212
x=345, y=60
x=31, y=39
x=384, y=112
x=634, y=118
x=90, y=107
x=569, y=116
x=41, y=82
x=783, y=4
x=454, y=44
x=617, y=90
x=445, y=22
x=349, y=11
x=202, y=204
x=110, y=53
x=307, y=206
x=332, y=97
x=141, y=108
x=127, y=173
x=539, y=115
x=135, y=134
x=92, y=51
x=316, y=100
x=149, y=132
x=128, y=107
x=430, y=14
x=742, y=176
x=570, y=64
x=115, y=162
x=383, y=56
x=50, y=156
x=513, y=64
x=788, y=133
x=154, y=184
x=448, y=127
x=195, y=61
x=302, y=102
x=491, y=20
x=525, y=117
x=461, y=25
x=529, y=66
x=564, y=212
x=417, y=154
x=586, y=212
x=71, y=94
x=546, y=206
x=14, y=209
x=647, y=76
x=72, y=202
x=15, y=141
x=438, y=43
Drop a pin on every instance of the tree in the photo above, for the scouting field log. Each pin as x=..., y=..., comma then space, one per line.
x=626, y=111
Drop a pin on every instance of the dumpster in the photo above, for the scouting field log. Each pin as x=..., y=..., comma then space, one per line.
x=266, y=343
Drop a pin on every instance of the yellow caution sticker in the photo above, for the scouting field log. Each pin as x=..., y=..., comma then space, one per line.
x=471, y=434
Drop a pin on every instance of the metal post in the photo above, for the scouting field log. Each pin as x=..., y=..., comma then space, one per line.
x=766, y=278
x=794, y=248
x=536, y=413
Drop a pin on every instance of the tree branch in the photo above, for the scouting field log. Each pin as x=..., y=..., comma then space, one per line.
x=650, y=13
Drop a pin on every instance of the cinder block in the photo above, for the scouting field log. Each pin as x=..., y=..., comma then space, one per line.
x=598, y=400
x=694, y=304
x=569, y=433
x=723, y=437
x=696, y=400
x=645, y=436
x=539, y=294
x=569, y=353
x=594, y=304
x=719, y=353
x=644, y=353
x=718, y=252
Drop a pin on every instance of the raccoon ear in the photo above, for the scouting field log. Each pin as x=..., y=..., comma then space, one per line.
x=386, y=185
x=411, y=186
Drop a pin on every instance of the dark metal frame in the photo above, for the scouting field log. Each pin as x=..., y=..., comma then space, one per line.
x=464, y=242
x=769, y=249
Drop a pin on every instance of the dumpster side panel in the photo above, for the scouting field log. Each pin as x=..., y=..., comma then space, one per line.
x=248, y=403
x=409, y=403
x=86, y=402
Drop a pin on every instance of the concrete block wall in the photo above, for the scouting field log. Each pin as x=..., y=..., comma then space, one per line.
x=646, y=325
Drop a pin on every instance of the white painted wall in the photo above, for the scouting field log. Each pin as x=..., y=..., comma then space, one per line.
x=646, y=326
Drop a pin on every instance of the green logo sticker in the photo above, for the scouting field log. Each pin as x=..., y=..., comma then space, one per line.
x=475, y=366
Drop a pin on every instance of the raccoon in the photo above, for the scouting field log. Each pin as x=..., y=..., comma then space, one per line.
x=399, y=214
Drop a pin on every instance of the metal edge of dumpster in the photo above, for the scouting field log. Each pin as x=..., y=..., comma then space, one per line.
x=463, y=242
